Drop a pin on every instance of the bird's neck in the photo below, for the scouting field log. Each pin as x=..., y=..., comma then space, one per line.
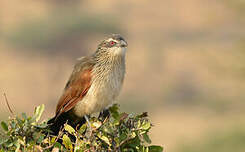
x=107, y=57
x=109, y=64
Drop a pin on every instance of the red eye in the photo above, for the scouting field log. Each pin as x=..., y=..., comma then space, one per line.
x=112, y=43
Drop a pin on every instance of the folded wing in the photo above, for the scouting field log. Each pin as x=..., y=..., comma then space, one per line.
x=77, y=86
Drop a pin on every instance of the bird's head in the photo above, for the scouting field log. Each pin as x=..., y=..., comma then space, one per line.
x=114, y=44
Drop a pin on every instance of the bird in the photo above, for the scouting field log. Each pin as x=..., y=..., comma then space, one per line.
x=94, y=84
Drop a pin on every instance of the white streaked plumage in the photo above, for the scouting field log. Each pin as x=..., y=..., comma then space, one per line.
x=106, y=83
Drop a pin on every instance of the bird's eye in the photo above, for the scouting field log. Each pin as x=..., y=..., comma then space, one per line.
x=112, y=43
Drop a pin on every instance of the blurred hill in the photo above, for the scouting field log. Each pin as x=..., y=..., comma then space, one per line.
x=185, y=60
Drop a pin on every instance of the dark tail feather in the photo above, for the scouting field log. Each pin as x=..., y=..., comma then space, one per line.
x=56, y=123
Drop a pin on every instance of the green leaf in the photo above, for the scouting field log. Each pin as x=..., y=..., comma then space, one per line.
x=24, y=116
x=42, y=126
x=13, y=124
x=69, y=129
x=115, y=122
x=82, y=129
x=38, y=112
x=146, y=138
x=145, y=149
x=3, y=140
x=132, y=135
x=146, y=125
x=40, y=139
x=4, y=126
x=114, y=108
x=107, y=129
x=96, y=124
x=134, y=142
x=105, y=139
x=19, y=120
x=67, y=142
x=53, y=140
x=122, y=137
x=154, y=148
x=17, y=144
x=114, y=111
x=57, y=144
x=9, y=143
x=127, y=131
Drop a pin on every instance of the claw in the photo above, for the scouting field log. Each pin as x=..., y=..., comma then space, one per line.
x=89, y=125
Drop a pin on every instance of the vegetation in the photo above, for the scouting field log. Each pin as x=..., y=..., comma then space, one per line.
x=120, y=132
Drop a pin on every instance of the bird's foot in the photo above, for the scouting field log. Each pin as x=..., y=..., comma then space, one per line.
x=89, y=125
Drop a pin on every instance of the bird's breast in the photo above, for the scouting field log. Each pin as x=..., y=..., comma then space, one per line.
x=105, y=87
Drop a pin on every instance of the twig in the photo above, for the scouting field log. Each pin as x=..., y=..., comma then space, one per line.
x=61, y=132
x=124, y=141
x=6, y=100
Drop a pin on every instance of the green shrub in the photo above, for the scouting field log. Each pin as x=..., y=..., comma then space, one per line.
x=120, y=132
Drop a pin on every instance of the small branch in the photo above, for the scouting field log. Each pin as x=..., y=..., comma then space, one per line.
x=6, y=100
x=126, y=140
x=61, y=132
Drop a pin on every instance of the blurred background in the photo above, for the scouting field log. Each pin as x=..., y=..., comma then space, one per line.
x=185, y=62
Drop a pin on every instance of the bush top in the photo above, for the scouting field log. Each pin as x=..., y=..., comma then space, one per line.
x=120, y=132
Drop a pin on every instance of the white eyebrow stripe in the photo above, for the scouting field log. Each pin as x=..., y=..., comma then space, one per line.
x=110, y=39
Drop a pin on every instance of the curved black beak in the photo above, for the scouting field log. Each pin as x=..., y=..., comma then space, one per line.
x=123, y=43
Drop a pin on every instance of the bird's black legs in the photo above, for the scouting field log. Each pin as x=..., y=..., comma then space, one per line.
x=104, y=114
